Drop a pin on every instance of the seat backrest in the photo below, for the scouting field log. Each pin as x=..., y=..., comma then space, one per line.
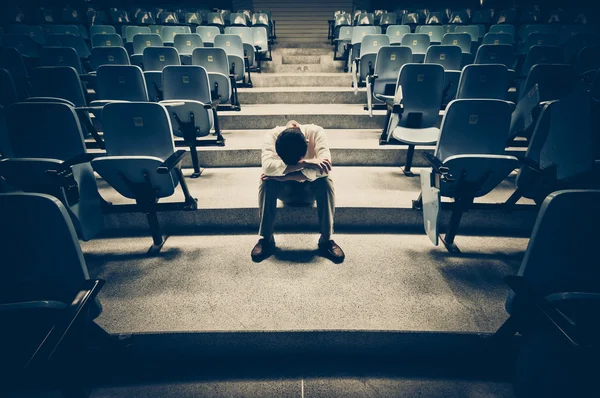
x=541, y=55
x=63, y=30
x=8, y=90
x=260, y=18
x=483, y=81
x=107, y=40
x=498, y=38
x=260, y=37
x=554, y=81
x=59, y=82
x=365, y=19
x=156, y=58
x=411, y=18
x=36, y=32
x=472, y=30
x=345, y=33
x=168, y=33
x=41, y=256
x=496, y=54
x=474, y=127
x=434, y=32
x=420, y=87
x=137, y=129
x=244, y=32
x=238, y=19
x=562, y=243
x=121, y=83
x=540, y=39
x=187, y=42
x=215, y=18
x=108, y=56
x=232, y=44
x=503, y=28
x=418, y=42
x=77, y=43
x=463, y=40
x=60, y=56
x=361, y=31
x=450, y=57
x=388, y=18
x=188, y=82
x=395, y=32
x=342, y=20
x=131, y=31
x=390, y=60
x=372, y=43
x=435, y=17
x=588, y=59
x=526, y=30
x=141, y=41
x=214, y=60
x=208, y=33
x=23, y=43
x=44, y=130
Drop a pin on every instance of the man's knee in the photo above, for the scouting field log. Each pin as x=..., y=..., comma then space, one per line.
x=324, y=184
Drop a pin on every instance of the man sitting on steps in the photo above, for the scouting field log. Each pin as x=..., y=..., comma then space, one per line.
x=296, y=163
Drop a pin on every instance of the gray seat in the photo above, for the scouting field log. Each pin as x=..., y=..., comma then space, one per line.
x=496, y=54
x=387, y=19
x=63, y=30
x=434, y=32
x=463, y=40
x=187, y=97
x=141, y=162
x=365, y=19
x=108, y=56
x=8, y=89
x=450, y=57
x=353, y=48
x=49, y=156
x=185, y=45
x=389, y=61
x=223, y=86
x=541, y=55
x=472, y=30
x=539, y=39
x=131, y=31
x=418, y=43
x=168, y=33
x=106, y=40
x=469, y=159
x=58, y=82
x=156, y=58
x=101, y=29
x=588, y=59
x=237, y=19
x=11, y=60
x=417, y=102
x=503, y=28
x=234, y=48
x=140, y=42
x=46, y=288
x=215, y=19
x=208, y=33
x=498, y=38
x=370, y=45
x=120, y=83
x=60, y=56
x=395, y=32
x=483, y=81
x=35, y=32
x=25, y=44
x=342, y=42
x=247, y=41
x=77, y=43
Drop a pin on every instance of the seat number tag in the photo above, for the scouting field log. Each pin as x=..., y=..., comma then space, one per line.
x=473, y=119
x=455, y=42
x=375, y=43
x=108, y=43
x=227, y=44
x=393, y=57
x=121, y=79
x=210, y=58
x=496, y=41
x=415, y=42
x=442, y=57
x=186, y=79
x=138, y=122
x=111, y=58
x=148, y=43
x=430, y=34
x=161, y=58
x=209, y=34
x=397, y=33
x=420, y=78
x=188, y=43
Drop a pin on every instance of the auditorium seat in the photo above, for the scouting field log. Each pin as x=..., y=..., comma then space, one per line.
x=140, y=42
x=450, y=57
x=396, y=32
x=77, y=43
x=247, y=37
x=389, y=61
x=364, y=19
x=11, y=60
x=482, y=16
x=107, y=40
x=35, y=32
x=434, y=32
x=25, y=44
x=436, y=18
x=472, y=30
x=539, y=39
x=155, y=59
x=223, y=84
x=462, y=17
x=108, y=56
x=353, y=48
x=498, y=38
x=260, y=18
x=61, y=30
x=185, y=45
x=416, y=106
x=49, y=156
x=58, y=81
x=526, y=30
x=60, y=56
x=208, y=33
x=387, y=19
x=555, y=299
x=341, y=44
x=339, y=21
x=365, y=63
x=215, y=19
x=234, y=48
x=469, y=162
x=146, y=169
x=496, y=54
x=463, y=40
x=483, y=81
x=237, y=19
x=418, y=43
x=187, y=97
x=541, y=55
x=261, y=43
x=131, y=31
x=167, y=33
x=8, y=89
x=120, y=83
x=588, y=59
x=48, y=303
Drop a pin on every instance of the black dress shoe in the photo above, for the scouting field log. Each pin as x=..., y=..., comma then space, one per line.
x=331, y=250
x=263, y=249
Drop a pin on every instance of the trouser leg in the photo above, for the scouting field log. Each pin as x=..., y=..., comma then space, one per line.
x=267, y=205
x=324, y=193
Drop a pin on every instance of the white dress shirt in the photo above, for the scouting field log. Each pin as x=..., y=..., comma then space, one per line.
x=273, y=166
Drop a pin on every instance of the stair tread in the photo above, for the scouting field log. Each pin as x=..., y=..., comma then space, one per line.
x=301, y=109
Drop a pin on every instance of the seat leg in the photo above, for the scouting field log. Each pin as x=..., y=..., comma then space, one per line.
x=418, y=204
x=514, y=198
x=220, y=139
x=409, y=158
x=461, y=205
x=384, y=132
x=157, y=237
x=197, y=169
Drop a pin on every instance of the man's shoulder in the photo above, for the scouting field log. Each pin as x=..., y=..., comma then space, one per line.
x=274, y=132
x=313, y=129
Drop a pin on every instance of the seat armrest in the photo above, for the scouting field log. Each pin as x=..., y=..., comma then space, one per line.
x=81, y=158
x=171, y=162
x=50, y=99
x=213, y=104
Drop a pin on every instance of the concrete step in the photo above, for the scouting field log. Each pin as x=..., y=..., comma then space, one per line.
x=348, y=148
x=303, y=51
x=322, y=44
x=301, y=59
x=302, y=79
x=301, y=95
x=333, y=116
x=331, y=67
x=367, y=198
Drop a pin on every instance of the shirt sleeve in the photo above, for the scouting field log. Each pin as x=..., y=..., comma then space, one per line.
x=321, y=152
x=272, y=165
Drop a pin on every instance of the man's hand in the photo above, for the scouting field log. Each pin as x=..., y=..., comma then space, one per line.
x=297, y=176
x=323, y=165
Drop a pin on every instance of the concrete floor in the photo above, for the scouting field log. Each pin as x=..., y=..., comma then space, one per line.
x=388, y=282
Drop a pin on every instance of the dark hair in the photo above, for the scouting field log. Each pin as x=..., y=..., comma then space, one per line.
x=291, y=146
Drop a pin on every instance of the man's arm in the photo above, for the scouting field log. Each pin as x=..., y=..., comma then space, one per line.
x=294, y=176
x=272, y=165
x=321, y=165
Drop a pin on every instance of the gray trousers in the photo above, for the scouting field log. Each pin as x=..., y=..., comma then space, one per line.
x=293, y=192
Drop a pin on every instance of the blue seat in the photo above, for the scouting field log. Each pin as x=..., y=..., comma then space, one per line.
x=49, y=156
x=8, y=89
x=62, y=30
x=155, y=60
x=483, y=81
x=11, y=60
x=60, y=56
x=503, y=28
x=498, y=38
x=185, y=45
x=25, y=44
x=223, y=85
x=77, y=43
x=120, y=83
x=382, y=85
x=131, y=31
x=141, y=162
x=168, y=33
x=365, y=64
x=58, y=82
x=496, y=54
x=48, y=300
x=108, y=56
x=434, y=32
x=541, y=55
x=450, y=57
x=187, y=97
x=418, y=43
x=261, y=42
x=588, y=59
x=353, y=47
x=107, y=40
x=247, y=41
x=101, y=29
x=395, y=32
x=463, y=40
x=234, y=48
x=35, y=32
x=208, y=33
x=417, y=102
x=387, y=19
x=539, y=39
x=140, y=42
x=469, y=159
x=472, y=30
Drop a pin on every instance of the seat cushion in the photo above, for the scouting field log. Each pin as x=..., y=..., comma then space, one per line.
x=427, y=136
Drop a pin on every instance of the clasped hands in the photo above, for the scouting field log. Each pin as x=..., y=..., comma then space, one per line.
x=322, y=165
